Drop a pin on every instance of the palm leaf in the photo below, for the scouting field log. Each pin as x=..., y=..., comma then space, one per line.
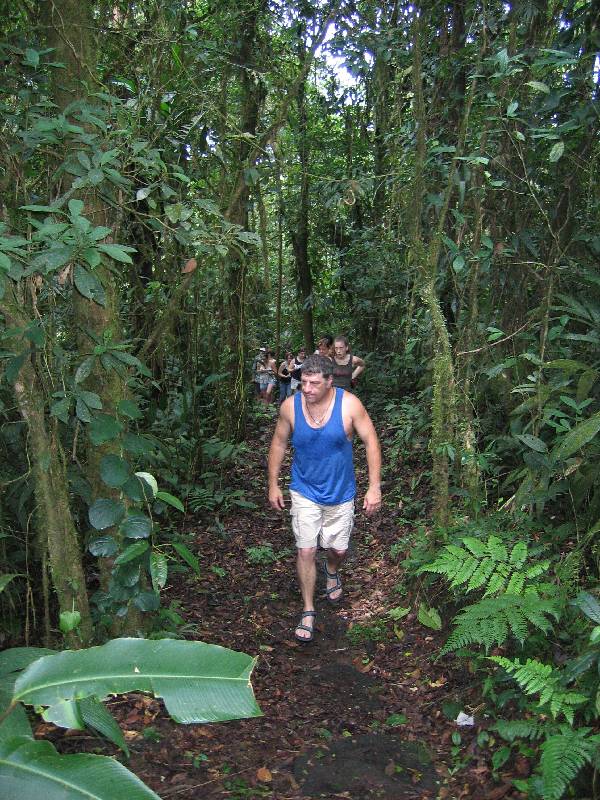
x=32, y=769
x=198, y=682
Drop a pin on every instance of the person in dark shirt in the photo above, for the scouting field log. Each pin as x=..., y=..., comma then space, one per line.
x=297, y=371
x=284, y=373
x=346, y=366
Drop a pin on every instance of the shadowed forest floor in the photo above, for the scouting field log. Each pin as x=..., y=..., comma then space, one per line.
x=363, y=712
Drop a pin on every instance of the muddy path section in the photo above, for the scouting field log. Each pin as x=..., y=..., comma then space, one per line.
x=357, y=714
x=340, y=718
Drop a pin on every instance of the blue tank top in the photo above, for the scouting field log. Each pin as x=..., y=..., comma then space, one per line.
x=322, y=469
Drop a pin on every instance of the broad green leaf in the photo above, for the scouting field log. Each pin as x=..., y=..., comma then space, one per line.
x=398, y=612
x=576, y=438
x=131, y=552
x=84, y=369
x=533, y=442
x=65, y=714
x=556, y=152
x=137, y=490
x=15, y=723
x=539, y=86
x=92, y=257
x=136, y=526
x=17, y=658
x=104, y=513
x=82, y=412
x=104, y=428
x=32, y=769
x=187, y=556
x=114, y=471
x=103, y=546
x=75, y=207
x=61, y=409
x=129, y=409
x=14, y=366
x=198, y=682
x=91, y=399
x=170, y=500
x=158, y=570
x=150, y=480
x=88, y=285
x=458, y=263
x=118, y=252
x=95, y=715
x=147, y=601
x=429, y=617
x=137, y=445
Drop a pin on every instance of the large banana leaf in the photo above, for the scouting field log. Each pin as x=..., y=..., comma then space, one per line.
x=31, y=769
x=198, y=682
x=16, y=723
x=17, y=658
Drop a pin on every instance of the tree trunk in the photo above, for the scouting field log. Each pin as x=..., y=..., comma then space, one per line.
x=300, y=231
x=55, y=525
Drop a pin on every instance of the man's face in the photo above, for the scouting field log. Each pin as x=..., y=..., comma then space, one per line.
x=341, y=349
x=315, y=387
x=323, y=348
x=302, y=354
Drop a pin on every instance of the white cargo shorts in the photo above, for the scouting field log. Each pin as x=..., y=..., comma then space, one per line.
x=332, y=523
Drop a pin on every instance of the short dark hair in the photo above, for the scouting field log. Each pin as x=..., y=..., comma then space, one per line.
x=316, y=364
x=327, y=339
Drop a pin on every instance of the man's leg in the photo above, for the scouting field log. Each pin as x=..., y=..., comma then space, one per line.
x=338, y=522
x=307, y=576
x=306, y=524
x=334, y=560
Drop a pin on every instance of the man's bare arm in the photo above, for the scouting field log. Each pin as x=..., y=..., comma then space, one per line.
x=362, y=424
x=276, y=454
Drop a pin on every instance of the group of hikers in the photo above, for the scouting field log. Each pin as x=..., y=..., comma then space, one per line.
x=320, y=421
x=266, y=375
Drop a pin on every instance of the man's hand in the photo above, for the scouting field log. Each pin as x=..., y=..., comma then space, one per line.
x=276, y=500
x=372, y=502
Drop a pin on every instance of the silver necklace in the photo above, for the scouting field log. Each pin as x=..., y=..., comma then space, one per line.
x=319, y=421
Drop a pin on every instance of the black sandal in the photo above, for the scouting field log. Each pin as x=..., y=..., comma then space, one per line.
x=301, y=627
x=332, y=589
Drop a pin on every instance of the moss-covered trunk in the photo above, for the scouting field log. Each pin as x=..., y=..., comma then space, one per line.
x=57, y=534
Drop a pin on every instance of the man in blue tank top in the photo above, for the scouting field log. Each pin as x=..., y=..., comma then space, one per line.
x=321, y=421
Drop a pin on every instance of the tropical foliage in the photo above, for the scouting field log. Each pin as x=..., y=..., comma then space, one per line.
x=182, y=182
x=197, y=682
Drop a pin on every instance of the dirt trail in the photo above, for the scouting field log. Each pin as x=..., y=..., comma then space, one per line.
x=357, y=714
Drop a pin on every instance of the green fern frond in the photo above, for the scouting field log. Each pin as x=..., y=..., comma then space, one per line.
x=563, y=755
x=523, y=729
x=476, y=546
x=491, y=620
x=482, y=574
x=488, y=566
x=518, y=555
x=536, y=678
x=497, y=549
